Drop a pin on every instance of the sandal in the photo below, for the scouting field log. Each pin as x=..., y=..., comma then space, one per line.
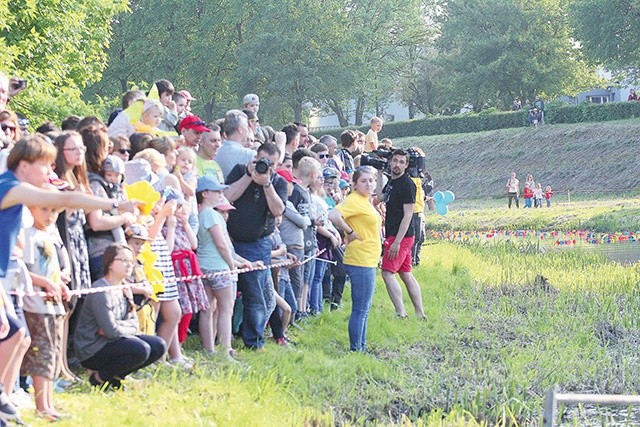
x=47, y=415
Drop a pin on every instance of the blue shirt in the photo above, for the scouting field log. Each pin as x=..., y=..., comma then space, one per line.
x=11, y=220
x=208, y=254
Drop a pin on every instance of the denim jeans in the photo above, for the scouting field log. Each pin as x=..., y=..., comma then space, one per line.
x=315, y=291
x=286, y=292
x=363, y=285
x=252, y=285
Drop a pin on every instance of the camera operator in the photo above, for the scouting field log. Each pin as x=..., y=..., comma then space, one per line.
x=259, y=195
x=9, y=88
x=399, y=196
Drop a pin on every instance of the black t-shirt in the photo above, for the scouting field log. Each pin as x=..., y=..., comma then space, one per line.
x=397, y=193
x=252, y=219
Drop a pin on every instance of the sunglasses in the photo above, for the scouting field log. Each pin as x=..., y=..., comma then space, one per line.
x=124, y=151
x=5, y=127
x=323, y=156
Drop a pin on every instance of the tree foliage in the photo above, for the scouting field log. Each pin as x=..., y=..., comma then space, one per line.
x=59, y=47
x=500, y=50
x=608, y=31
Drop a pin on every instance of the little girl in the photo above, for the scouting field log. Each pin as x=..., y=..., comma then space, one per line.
x=188, y=181
x=183, y=241
x=548, y=194
x=45, y=315
x=152, y=113
x=537, y=195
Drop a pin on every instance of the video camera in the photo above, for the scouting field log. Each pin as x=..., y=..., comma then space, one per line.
x=379, y=159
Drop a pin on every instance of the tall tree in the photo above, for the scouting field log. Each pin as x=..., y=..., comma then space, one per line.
x=59, y=47
x=499, y=50
x=608, y=31
x=190, y=42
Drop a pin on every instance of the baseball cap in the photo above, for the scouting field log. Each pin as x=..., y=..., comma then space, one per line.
x=187, y=95
x=137, y=231
x=343, y=184
x=171, y=193
x=139, y=170
x=286, y=174
x=224, y=205
x=250, y=98
x=113, y=164
x=209, y=183
x=193, y=122
x=330, y=173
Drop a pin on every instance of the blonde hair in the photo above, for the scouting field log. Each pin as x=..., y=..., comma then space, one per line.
x=376, y=120
x=186, y=150
x=153, y=156
x=308, y=165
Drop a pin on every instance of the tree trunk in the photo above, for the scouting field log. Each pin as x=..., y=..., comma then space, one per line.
x=360, y=103
x=412, y=111
x=123, y=85
x=297, y=111
x=338, y=111
x=209, y=109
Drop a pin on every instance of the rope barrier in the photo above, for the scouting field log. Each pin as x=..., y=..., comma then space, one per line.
x=79, y=292
x=558, y=238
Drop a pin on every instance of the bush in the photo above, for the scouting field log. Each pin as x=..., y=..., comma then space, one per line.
x=555, y=113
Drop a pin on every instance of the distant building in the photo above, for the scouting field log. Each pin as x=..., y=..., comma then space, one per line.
x=394, y=111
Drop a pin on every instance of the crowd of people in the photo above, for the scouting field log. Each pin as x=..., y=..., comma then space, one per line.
x=532, y=192
x=232, y=228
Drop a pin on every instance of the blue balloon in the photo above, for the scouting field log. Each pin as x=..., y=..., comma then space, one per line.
x=438, y=196
x=442, y=209
x=449, y=197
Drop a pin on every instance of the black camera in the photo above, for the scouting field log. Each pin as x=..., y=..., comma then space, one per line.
x=379, y=158
x=21, y=83
x=262, y=166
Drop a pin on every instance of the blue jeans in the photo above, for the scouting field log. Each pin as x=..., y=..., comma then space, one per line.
x=363, y=285
x=315, y=291
x=286, y=292
x=252, y=286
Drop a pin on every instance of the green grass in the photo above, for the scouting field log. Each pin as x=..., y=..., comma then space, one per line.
x=497, y=337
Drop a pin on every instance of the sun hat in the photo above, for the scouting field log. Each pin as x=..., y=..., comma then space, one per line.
x=209, y=183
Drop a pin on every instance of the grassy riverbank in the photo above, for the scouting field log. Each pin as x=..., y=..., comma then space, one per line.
x=505, y=322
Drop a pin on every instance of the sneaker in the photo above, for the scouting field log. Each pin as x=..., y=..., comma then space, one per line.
x=8, y=412
x=22, y=400
x=182, y=362
x=281, y=341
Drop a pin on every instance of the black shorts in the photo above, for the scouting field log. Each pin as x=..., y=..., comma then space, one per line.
x=14, y=326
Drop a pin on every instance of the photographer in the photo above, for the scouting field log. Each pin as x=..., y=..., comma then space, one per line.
x=399, y=196
x=259, y=195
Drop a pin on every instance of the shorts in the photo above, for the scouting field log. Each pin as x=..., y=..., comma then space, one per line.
x=14, y=326
x=223, y=279
x=45, y=353
x=402, y=262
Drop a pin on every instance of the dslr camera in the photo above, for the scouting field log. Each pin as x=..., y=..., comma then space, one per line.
x=262, y=166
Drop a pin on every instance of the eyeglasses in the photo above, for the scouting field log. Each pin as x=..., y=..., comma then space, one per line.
x=323, y=156
x=6, y=126
x=76, y=149
x=124, y=151
x=126, y=261
x=200, y=123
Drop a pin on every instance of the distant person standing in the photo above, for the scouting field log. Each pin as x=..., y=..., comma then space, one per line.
x=633, y=96
x=513, y=190
x=539, y=105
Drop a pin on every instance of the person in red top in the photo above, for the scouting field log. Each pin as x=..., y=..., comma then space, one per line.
x=548, y=194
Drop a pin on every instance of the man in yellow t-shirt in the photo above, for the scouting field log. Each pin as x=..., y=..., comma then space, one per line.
x=207, y=149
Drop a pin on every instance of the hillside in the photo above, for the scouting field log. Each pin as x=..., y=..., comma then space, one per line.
x=587, y=159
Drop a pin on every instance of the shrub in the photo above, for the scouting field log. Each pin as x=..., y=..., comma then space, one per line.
x=555, y=113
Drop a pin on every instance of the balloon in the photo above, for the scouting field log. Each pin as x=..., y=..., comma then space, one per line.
x=442, y=209
x=449, y=197
x=438, y=196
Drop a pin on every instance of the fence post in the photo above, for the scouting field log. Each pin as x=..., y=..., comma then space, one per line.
x=550, y=407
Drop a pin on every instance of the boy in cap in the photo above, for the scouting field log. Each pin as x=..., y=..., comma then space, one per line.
x=251, y=102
